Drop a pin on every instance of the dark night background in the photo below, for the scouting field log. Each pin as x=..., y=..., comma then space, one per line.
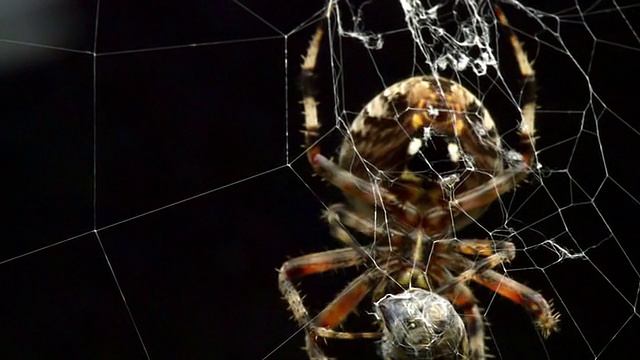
x=194, y=203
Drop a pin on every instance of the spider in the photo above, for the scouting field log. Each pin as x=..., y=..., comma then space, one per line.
x=409, y=195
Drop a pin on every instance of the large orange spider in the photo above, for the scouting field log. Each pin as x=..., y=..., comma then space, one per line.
x=409, y=196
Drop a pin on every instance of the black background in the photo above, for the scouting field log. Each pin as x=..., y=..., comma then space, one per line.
x=172, y=169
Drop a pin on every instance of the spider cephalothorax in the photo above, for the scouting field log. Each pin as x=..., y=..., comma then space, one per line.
x=422, y=159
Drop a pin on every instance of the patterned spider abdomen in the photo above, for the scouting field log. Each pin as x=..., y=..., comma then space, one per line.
x=426, y=139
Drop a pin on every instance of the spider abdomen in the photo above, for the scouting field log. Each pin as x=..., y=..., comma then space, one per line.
x=425, y=138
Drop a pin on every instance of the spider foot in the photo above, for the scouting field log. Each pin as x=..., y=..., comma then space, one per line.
x=314, y=349
x=548, y=323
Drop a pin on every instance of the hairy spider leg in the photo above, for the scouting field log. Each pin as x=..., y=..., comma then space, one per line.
x=334, y=313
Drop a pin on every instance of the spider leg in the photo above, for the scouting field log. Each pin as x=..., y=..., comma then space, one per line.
x=490, y=191
x=483, y=247
x=462, y=297
x=339, y=214
x=336, y=311
x=546, y=319
x=340, y=218
x=528, y=95
x=356, y=188
x=309, y=90
x=307, y=265
x=494, y=252
x=481, y=272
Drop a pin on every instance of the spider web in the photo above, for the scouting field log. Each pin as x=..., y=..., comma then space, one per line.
x=155, y=179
